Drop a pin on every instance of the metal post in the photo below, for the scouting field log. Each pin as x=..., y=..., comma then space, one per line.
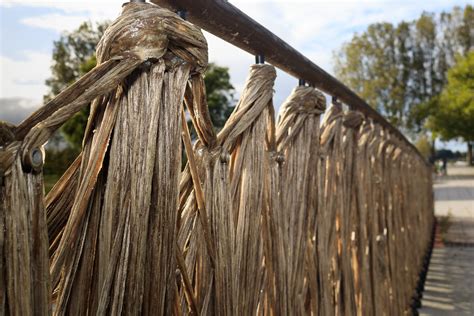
x=182, y=14
x=260, y=59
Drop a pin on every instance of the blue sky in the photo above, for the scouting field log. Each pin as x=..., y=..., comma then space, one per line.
x=316, y=28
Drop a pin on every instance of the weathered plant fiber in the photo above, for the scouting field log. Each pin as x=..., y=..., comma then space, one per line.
x=329, y=217
x=302, y=218
x=24, y=275
x=228, y=270
x=293, y=221
x=121, y=226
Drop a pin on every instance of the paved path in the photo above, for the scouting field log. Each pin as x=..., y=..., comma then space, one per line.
x=449, y=287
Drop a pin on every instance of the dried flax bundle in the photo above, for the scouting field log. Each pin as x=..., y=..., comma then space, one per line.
x=383, y=241
x=350, y=263
x=58, y=204
x=393, y=226
x=117, y=250
x=24, y=266
x=415, y=219
x=248, y=136
x=378, y=236
x=293, y=222
x=392, y=232
x=204, y=249
x=399, y=231
x=406, y=245
x=363, y=186
x=326, y=220
x=329, y=214
x=224, y=193
x=373, y=184
x=405, y=259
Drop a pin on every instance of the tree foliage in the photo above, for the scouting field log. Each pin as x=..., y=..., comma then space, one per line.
x=454, y=117
x=401, y=69
x=424, y=146
x=219, y=93
x=74, y=56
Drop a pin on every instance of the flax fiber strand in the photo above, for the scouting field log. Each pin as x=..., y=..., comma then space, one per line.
x=24, y=275
x=294, y=220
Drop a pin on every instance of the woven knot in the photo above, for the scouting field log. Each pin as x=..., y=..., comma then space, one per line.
x=150, y=32
x=256, y=96
x=330, y=124
x=305, y=100
x=353, y=119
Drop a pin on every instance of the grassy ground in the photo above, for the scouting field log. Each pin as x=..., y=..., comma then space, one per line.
x=444, y=223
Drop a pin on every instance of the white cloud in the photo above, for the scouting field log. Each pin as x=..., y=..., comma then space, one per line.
x=57, y=22
x=24, y=78
x=71, y=15
x=102, y=7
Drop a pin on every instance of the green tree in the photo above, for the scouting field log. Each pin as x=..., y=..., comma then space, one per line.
x=454, y=117
x=424, y=146
x=74, y=56
x=401, y=69
x=220, y=94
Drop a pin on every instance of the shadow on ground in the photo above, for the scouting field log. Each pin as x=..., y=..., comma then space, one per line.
x=454, y=193
x=449, y=287
x=440, y=179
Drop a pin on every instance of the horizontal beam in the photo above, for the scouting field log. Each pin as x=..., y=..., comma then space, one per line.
x=224, y=20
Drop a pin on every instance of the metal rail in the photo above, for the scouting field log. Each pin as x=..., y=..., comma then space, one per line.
x=224, y=20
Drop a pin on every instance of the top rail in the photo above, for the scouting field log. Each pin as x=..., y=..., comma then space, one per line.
x=224, y=20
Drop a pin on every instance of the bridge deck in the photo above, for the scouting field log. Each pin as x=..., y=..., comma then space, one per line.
x=449, y=287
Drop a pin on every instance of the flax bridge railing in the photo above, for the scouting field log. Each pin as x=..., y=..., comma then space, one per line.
x=322, y=212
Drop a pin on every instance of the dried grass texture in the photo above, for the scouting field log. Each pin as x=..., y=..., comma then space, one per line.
x=111, y=216
x=330, y=218
x=227, y=271
x=386, y=211
x=24, y=275
x=293, y=219
x=118, y=245
x=350, y=285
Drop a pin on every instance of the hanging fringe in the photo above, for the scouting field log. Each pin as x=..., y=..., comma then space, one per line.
x=329, y=218
x=229, y=281
x=123, y=210
x=294, y=218
x=24, y=268
x=247, y=137
x=306, y=218
x=350, y=285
